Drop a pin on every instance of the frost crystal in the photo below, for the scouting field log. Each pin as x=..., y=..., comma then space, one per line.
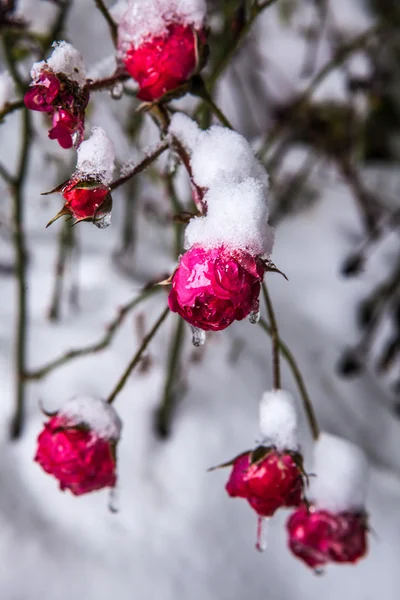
x=144, y=19
x=6, y=88
x=341, y=471
x=278, y=420
x=95, y=414
x=96, y=156
x=65, y=59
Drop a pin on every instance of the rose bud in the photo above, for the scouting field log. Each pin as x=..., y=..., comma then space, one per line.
x=267, y=479
x=78, y=445
x=211, y=288
x=59, y=89
x=333, y=528
x=318, y=536
x=87, y=194
x=271, y=476
x=161, y=48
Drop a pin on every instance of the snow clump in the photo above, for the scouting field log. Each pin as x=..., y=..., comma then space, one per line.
x=96, y=156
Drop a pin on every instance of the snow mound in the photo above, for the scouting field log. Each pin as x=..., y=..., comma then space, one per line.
x=278, y=420
x=185, y=130
x=96, y=156
x=65, y=59
x=341, y=471
x=237, y=217
x=221, y=151
x=144, y=20
x=95, y=414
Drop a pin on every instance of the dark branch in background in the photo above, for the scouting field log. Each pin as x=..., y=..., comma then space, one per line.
x=110, y=21
x=102, y=344
x=11, y=107
x=137, y=357
x=65, y=247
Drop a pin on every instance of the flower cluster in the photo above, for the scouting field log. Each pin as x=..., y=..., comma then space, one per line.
x=58, y=89
x=78, y=446
x=218, y=279
x=162, y=44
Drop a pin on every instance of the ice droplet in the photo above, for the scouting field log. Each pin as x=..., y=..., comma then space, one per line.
x=172, y=162
x=117, y=90
x=198, y=336
x=103, y=221
x=113, y=503
x=254, y=316
x=262, y=530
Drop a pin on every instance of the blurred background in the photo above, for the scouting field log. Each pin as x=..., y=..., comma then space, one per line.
x=314, y=85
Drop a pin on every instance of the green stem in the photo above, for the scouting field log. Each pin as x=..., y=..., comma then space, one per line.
x=274, y=338
x=166, y=408
x=135, y=360
x=199, y=89
x=308, y=407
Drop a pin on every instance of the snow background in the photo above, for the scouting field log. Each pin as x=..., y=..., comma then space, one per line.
x=177, y=534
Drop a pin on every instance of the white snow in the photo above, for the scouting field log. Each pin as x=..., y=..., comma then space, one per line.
x=95, y=413
x=144, y=20
x=7, y=88
x=64, y=59
x=278, y=420
x=222, y=152
x=184, y=129
x=341, y=474
x=96, y=156
x=237, y=217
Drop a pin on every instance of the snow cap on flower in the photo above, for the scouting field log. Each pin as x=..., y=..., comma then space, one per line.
x=143, y=21
x=278, y=420
x=95, y=414
x=7, y=88
x=237, y=217
x=221, y=152
x=96, y=157
x=341, y=475
x=185, y=130
x=64, y=59
x=77, y=445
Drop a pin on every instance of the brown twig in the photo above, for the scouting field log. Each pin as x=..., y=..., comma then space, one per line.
x=110, y=21
x=102, y=344
x=146, y=162
x=138, y=355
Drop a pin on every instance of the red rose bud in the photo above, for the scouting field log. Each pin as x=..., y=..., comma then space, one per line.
x=212, y=288
x=267, y=479
x=78, y=446
x=43, y=92
x=86, y=200
x=165, y=62
x=318, y=537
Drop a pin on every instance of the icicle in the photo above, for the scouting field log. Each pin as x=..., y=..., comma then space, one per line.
x=262, y=529
x=117, y=90
x=254, y=315
x=198, y=336
x=113, y=504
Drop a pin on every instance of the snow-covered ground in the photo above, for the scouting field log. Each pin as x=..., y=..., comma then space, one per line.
x=177, y=534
